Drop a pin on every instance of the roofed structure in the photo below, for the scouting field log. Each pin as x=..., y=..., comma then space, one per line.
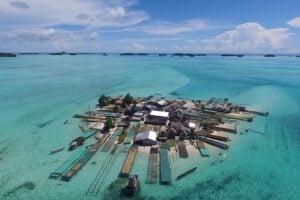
x=147, y=138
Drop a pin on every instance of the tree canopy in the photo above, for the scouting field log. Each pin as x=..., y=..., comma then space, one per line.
x=128, y=99
x=109, y=123
x=103, y=100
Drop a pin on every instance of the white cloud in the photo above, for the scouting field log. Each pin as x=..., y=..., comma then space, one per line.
x=90, y=13
x=19, y=5
x=48, y=38
x=295, y=22
x=249, y=37
x=172, y=28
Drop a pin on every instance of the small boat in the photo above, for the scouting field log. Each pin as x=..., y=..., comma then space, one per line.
x=76, y=143
x=132, y=186
x=186, y=173
x=56, y=150
x=67, y=121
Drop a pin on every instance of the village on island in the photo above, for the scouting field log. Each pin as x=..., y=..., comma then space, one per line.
x=151, y=125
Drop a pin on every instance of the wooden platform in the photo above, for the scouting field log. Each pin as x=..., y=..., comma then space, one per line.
x=212, y=142
x=83, y=160
x=217, y=137
x=202, y=148
x=182, y=150
x=165, y=170
x=127, y=165
x=152, y=171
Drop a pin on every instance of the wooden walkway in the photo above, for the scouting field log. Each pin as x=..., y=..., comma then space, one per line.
x=83, y=160
x=213, y=142
x=152, y=171
x=165, y=170
x=202, y=148
x=127, y=165
x=182, y=149
x=217, y=137
x=70, y=162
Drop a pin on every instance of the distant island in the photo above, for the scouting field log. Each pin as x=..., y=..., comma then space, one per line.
x=269, y=55
x=8, y=55
x=237, y=55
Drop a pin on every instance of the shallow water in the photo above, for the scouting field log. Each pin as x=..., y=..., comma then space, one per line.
x=39, y=92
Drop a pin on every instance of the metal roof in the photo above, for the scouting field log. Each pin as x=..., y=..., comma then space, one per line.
x=159, y=113
x=151, y=135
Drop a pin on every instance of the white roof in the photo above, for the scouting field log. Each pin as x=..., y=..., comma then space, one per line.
x=192, y=125
x=151, y=135
x=162, y=102
x=159, y=113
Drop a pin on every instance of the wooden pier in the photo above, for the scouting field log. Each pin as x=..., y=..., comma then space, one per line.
x=182, y=149
x=217, y=137
x=66, y=165
x=257, y=112
x=202, y=148
x=127, y=165
x=213, y=142
x=225, y=129
x=242, y=118
x=165, y=170
x=83, y=160
x=152, y=171
x=86, y=116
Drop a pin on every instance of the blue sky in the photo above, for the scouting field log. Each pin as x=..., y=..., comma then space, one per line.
x=214, y=26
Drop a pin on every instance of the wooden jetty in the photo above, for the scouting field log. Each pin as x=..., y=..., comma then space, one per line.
x=66, y=165
x=217, y=137
x=127, y=165
x=182, y=149
x=152, y=172
x=83, y=160
x=186, y=173
x=242, y=118
x=165, y=170
x=212, y=142
x=202, y=148
x=225, y=129
x=257, y=112
x=86, y=116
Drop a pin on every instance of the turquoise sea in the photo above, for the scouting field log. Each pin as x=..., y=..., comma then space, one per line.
x=39, y=92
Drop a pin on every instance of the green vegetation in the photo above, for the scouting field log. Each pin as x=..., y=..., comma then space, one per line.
x=116, y=109
x=193, y=133
x=103, y=100
x=128, y=99
x=207, y=124
x=122, y=136
x=109, y=123
x=169, y=144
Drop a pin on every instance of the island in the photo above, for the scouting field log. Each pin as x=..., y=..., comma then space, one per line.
x=153, y=125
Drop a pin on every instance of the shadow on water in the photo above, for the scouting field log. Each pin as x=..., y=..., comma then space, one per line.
x=207, y=188
x=44, y=124
x=27, y=185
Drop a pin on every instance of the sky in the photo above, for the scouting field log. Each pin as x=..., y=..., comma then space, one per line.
x=190, y=26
